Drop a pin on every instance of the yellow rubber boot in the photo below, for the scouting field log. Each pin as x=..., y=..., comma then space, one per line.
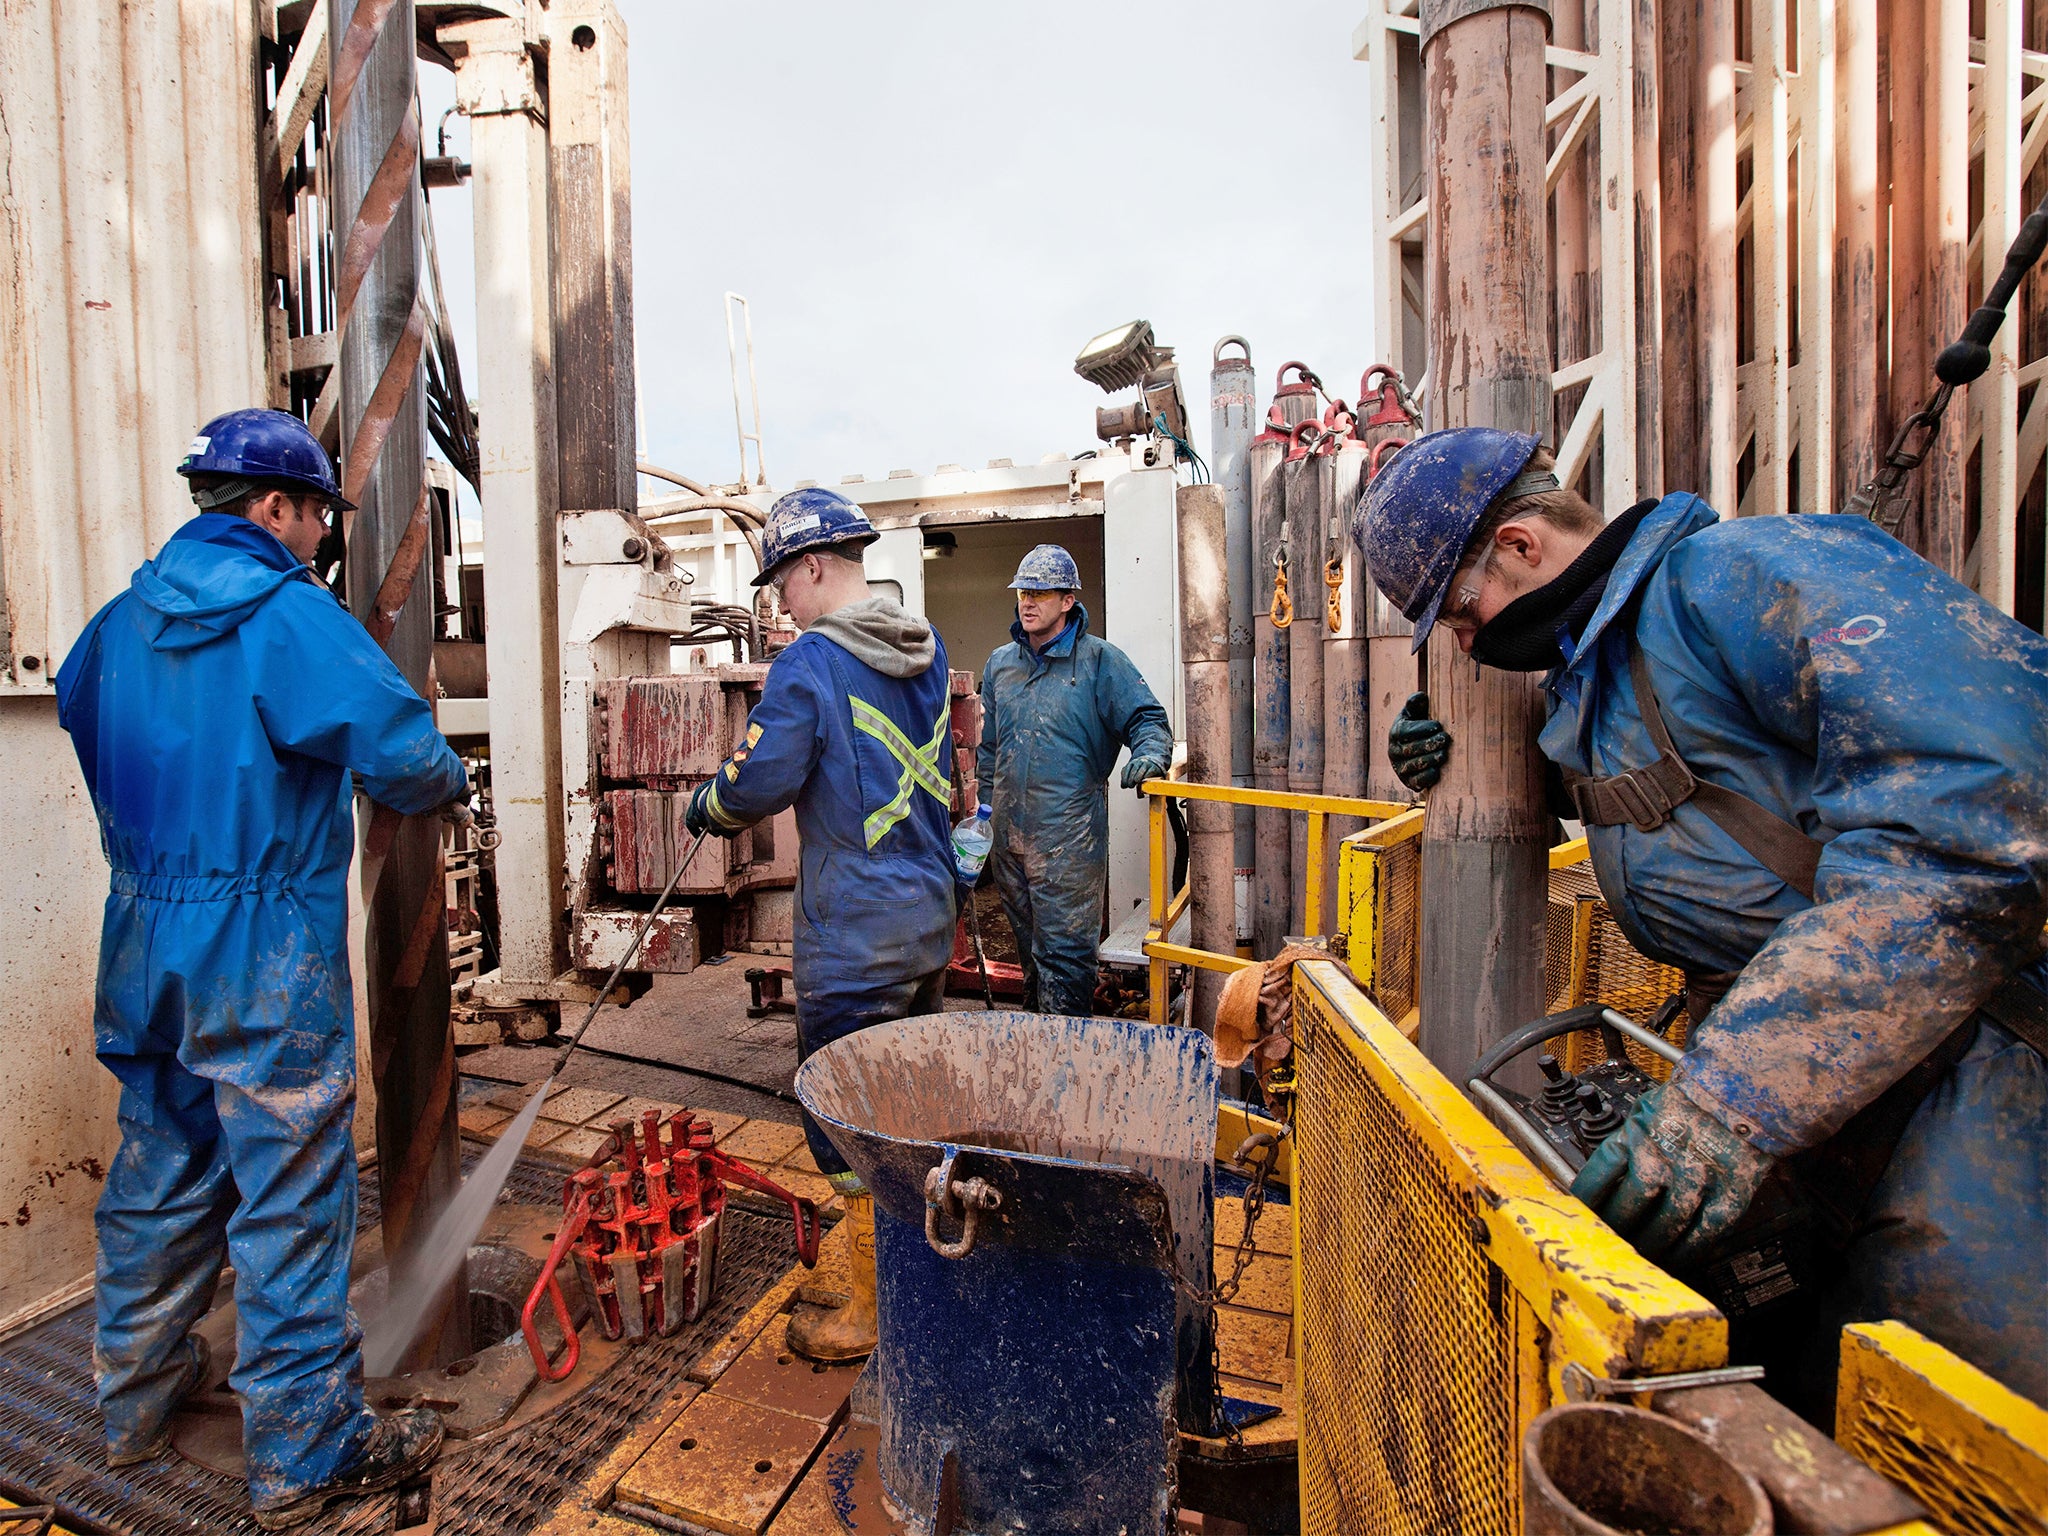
x=846, y=1332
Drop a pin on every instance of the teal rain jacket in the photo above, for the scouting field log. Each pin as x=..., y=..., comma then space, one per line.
x=1817, y=666
x=1053, y=723
x=217, y=708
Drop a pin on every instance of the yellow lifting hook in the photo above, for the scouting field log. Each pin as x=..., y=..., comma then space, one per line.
x=1282, y=611
x=1333, y=578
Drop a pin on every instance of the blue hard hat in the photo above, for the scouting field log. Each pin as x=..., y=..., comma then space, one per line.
x=1048, y=568
x=810, y=519
x=268, y=446
x=1419, y=513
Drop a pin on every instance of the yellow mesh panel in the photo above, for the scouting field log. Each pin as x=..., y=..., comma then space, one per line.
x=1442, y=1285
x=1588, y=960
x=1410, y=1402
x=1398, y=972
x=1381, y=917
x=1975, y=1453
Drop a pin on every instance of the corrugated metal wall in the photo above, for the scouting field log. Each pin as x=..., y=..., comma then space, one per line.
x=130, y=311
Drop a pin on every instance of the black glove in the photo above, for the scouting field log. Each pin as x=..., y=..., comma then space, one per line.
x=698, y=817
x=1418, y=746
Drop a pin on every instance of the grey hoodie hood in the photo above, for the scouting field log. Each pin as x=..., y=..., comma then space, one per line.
x=882, y=633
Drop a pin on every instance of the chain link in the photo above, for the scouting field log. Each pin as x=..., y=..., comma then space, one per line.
x=1240, y=1260
x=1884, y=500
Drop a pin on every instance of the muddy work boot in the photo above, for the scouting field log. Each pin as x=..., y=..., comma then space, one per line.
x=200, y=1363
x=844, y=1332
x=401, y=1447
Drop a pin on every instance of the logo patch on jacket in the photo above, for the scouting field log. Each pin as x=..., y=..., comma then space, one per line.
x=1861, y=630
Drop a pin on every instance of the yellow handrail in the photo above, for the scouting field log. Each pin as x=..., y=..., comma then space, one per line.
x=1166, y=906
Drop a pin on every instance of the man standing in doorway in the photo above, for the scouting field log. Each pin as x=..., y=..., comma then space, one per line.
x=854, y=729
x=218, y=707
x=1058, y=705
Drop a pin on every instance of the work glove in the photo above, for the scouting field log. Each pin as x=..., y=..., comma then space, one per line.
x=1673, y=1179
x=1418, y=746
x=698, y=817
x=1139, y=769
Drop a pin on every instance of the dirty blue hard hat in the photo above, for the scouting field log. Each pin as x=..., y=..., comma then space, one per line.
x=1419, y=513
x=257, y=449
x=1048, y=568
x=814, y=518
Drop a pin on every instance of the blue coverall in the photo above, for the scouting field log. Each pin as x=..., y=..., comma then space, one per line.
x=1052, y=724
x=217, y=708
x=866, y=760
x=1820, y=668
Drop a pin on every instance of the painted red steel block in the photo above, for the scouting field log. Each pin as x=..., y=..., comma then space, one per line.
x=662, y=729
x=646, y=836
x=966, y=733
x=641, y=1222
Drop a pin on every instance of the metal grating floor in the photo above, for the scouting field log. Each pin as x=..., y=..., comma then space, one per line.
x=51, y=1446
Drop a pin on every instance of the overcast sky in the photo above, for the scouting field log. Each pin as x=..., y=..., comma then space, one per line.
x=931, y=207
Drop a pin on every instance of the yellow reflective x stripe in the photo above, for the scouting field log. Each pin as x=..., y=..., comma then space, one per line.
x=923, y=762
x=920, y=764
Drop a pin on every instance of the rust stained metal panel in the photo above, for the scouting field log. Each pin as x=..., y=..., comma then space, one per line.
x=130, y=257
x=672, y=944
x=129, y=312
x=662, y=727
x=648, y=837
x=772, y=1375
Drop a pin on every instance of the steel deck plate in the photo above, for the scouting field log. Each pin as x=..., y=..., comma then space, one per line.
x=51, y=1447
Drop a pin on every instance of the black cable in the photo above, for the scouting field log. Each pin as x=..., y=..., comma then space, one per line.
x=674, y=1066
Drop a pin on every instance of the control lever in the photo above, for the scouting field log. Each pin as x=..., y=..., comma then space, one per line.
x=1766, y=1260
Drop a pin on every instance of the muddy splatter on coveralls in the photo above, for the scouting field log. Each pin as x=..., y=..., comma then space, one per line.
x=1053, y=723
x=217, y=708
x=865, y=759
x=1820, y=668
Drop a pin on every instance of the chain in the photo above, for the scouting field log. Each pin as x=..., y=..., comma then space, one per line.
x=1211, y=1298
x=1884, y=500
x=1333, y=578
x=1282, y=611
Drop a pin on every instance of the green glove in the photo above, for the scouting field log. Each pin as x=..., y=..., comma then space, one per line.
x=1418, y=746
x=1139, y=769
x=1673, y=1179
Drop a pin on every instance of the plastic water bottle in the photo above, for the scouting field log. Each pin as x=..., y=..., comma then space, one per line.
x=972, y=839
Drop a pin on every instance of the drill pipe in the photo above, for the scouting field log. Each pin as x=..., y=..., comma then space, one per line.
x=1233, y=414
x=1344, y=650
x=382, y=325
x=1306, y=480
x=1205, y=663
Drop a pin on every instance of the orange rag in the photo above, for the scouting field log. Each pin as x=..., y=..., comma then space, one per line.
x=1257, y=1006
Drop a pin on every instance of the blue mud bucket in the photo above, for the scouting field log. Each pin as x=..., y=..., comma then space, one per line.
x=1040, y=1183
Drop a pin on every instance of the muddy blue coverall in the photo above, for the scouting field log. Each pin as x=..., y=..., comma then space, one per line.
x=1820, y=668
x=217, y=708
x=866, y=759
x=1052, y=725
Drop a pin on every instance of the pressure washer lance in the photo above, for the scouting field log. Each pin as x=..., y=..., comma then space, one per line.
x=632, y=950
x=988, y=994
x=387, y=1335
x=1884, y=500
